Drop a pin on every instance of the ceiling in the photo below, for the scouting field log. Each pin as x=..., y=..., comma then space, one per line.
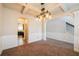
x=34, y=9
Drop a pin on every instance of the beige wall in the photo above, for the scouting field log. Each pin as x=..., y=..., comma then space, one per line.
x=9, y=33
x=10, y=22
x=0, y=28
x=1, y=19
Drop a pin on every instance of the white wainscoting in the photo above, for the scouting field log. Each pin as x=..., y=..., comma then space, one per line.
x=34, y=37
x=60, y=36
x=76, y=43
x=9, y=41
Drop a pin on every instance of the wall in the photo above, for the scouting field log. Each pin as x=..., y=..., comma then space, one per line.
x=34, y=30
x=9, y=36
x=76, y=31
x=0, y=19
x=9, y=29
x=0, y=28
x=56, y=29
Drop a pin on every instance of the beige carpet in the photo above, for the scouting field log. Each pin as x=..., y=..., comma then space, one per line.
x=49, y=47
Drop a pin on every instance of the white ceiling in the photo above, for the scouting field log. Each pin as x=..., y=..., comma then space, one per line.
x=57, y=9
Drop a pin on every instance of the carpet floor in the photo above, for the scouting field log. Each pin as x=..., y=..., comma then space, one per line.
x=50, y=47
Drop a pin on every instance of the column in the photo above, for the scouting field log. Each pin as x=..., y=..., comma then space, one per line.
x=43, y=23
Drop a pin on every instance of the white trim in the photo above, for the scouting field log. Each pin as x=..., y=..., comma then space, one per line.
x=59, y=36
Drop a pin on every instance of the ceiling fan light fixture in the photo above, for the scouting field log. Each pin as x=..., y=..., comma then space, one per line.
x=43, y=9
x=45, y=14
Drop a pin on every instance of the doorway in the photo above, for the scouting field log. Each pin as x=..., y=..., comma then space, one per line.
x=22, y=31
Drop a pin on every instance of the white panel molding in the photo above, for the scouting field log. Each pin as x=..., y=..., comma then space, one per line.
x=59, y=36
x=9, y=41
x=76, y=43
x=34, y=37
